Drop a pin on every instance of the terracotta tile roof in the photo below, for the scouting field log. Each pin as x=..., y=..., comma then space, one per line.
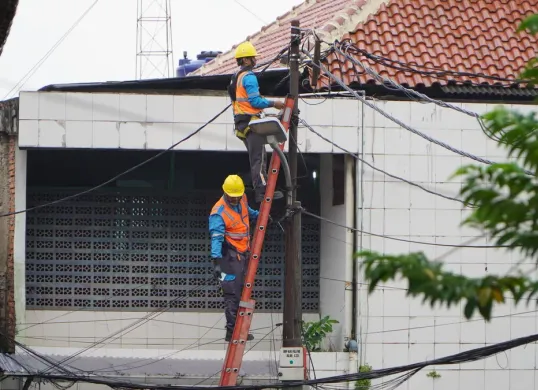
x=273, y=37
x=475, y=36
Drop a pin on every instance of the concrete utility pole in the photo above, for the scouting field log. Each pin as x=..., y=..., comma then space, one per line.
x=292, y=356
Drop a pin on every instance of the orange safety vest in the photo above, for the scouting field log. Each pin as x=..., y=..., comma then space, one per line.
x=243, y=111
x=237, y=227
x=241, y=106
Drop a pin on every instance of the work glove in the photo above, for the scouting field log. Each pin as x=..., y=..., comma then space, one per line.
x=216, y=268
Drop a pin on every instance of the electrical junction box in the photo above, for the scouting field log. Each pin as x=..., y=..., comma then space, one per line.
x=291, y=364
x=292, y=357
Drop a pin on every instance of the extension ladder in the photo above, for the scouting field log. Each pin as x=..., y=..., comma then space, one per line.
x=236, y=347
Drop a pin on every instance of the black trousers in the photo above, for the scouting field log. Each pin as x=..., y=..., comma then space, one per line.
x=257, y=155
x=236, y=264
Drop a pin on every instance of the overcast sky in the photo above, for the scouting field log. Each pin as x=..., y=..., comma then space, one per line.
x=103, y=45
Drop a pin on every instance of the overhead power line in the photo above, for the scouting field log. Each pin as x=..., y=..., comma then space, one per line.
x=356, y=156
x=391, y=84
x=462, y=357
x=428, y=70
x=397, y=238
x=249, y=11
x=267, y=64
x=132, y=326
x=116, y=177
x=35, y=68
x=397, y=121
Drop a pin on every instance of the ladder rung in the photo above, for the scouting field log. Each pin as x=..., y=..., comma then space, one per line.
x=246, y=304
x=236, y=347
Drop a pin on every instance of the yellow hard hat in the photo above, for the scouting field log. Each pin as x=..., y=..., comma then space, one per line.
x=245, y=49
x=233, y=186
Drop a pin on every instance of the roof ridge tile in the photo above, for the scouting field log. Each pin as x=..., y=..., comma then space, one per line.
x=462, y=35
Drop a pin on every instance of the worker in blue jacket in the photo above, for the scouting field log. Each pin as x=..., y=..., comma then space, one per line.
x=229, y=229
x=248, y=105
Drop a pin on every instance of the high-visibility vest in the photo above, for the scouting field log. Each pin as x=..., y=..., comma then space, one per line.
x=237, y=227
x=240, y=103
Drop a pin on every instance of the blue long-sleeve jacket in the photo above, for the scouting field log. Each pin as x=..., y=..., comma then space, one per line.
x=217, y=228
x=250, y=82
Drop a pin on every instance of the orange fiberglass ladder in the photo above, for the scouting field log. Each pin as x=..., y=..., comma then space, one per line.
x=236, y=348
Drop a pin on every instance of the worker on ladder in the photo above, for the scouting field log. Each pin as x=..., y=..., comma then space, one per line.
x=229, y=229
x=248, y=105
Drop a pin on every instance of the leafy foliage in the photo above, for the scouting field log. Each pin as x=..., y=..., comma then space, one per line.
x=427, y=278
x=504, y=200
x=314, y=332
x=433, y=374
x=364, y=384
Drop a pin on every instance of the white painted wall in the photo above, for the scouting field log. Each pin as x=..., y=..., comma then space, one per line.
x=85, y=120
x=335, y=255
x=19, y=237
x=169, y=330
x=397, y=330
x=156, y=122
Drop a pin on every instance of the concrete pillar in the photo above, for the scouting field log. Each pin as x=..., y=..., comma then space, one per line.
x=19, y=240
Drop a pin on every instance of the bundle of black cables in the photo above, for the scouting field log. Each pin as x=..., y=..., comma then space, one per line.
x=407, y=371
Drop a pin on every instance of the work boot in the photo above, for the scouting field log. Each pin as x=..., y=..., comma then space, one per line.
x=261, y=195
x=229, y=334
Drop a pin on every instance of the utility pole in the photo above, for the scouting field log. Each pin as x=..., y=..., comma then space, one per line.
x=292, y=354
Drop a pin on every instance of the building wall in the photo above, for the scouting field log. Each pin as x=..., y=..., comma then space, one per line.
x=169, y=330
x=19, y=237
x=398, y=330
x=156, y=122
x=335, y=295
x=394, y=329
x=127, y=121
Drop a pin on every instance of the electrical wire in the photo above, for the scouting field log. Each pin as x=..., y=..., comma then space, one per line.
x=451, y=323
x=134, y=325
x=197, y=384
x=309, y=355
x=400, y=123
x=250, y=12
x=122, y=173
x=48, y=322
x=158, y=359
x=273, y=349
x=387, y=82
x=58, y=364
x=357, y=157
x=431, y=70
x=34, y=69
x=400, y=239
x=109, y=298
x=143, y=162
x=462, y=357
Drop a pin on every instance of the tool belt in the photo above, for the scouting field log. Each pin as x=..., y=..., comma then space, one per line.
x=242, y=127
x=229, y=250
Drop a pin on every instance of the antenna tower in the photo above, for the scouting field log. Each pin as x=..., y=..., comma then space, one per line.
x=154, y=58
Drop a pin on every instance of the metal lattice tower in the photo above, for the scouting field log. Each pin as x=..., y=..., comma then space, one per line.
x=154, y=58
